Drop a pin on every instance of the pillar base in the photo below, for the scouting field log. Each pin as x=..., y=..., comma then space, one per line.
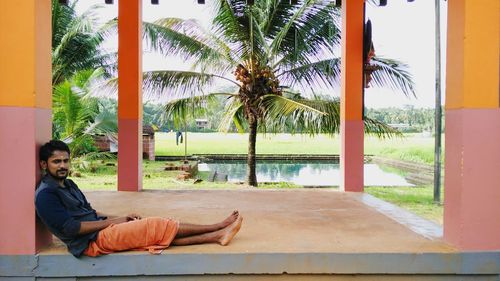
x=352, y=156
x=472, y=191
x=22, y=131
x=129, y=155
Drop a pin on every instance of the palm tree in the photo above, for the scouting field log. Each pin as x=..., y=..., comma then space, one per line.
x=78, y=116
x=78, y=62
x=273, y=49
x=76, y=41
x=278, y=119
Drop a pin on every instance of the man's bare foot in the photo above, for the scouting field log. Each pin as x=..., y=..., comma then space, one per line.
x=229, y=220
x=229, y=232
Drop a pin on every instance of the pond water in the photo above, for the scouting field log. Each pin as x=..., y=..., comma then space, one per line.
x=308, y=173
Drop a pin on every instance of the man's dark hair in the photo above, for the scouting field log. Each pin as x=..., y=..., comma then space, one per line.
x=48, y=149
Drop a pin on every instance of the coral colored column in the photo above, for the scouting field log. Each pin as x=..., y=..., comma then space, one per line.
x=129, y=95
x=25, y=119
x=472, y=163
x=351, y=100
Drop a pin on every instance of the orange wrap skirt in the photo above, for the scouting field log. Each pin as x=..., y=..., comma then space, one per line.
x=152, y=234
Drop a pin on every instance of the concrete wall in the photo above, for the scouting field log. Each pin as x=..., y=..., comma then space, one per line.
x=257, y=266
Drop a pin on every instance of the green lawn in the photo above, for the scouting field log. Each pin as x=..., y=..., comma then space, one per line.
x=411, y=147
x=233, y=143
x=418, y=200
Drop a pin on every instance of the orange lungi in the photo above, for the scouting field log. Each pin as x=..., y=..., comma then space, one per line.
x=151, y=234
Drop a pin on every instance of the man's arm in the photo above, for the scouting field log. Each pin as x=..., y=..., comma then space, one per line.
x=91, y=226
x=102, y=216
x=106, y=216
x=53, y=213
x=132, y=216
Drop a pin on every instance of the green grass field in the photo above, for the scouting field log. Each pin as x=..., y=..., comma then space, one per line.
x=411, y=147
x=418, y=200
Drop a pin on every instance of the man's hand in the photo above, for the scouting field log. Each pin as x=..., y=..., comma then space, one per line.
x=118, y=220
x=133, y=217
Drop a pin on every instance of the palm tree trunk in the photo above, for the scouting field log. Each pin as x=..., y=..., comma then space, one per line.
x=252, y=139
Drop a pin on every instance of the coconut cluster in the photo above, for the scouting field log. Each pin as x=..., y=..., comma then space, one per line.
x=263, y=79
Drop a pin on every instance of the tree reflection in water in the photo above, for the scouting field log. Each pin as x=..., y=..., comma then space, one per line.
x=301, y=172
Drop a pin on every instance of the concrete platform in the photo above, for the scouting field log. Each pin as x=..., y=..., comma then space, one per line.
x=309, y=232
x=293, y=221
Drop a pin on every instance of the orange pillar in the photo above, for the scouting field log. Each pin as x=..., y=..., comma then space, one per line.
x=129, y=95
x=351, y=100
x=472, y=163
x=25, y=119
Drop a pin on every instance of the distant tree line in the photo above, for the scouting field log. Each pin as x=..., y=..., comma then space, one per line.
x=416, y=119
x=409, y=118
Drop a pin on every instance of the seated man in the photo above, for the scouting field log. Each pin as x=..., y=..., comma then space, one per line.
x=64, y=209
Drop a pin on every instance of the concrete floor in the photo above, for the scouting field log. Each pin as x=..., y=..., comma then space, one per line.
x=275, y=221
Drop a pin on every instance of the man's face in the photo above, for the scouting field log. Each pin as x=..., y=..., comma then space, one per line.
x=57, y=165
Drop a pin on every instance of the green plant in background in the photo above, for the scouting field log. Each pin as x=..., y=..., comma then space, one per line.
x=79, y=62
x=77, y=41
x=92, y=162
x=272, y=53
x=77, y=116
x=415, y=119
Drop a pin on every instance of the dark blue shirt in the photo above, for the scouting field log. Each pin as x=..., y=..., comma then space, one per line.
x=63, y=209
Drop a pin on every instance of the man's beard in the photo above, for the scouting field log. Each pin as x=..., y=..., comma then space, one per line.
x=59, y=177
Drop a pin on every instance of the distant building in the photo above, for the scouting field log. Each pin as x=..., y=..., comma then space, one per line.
x=148, y=142
x=202, y=124
x=109, y=142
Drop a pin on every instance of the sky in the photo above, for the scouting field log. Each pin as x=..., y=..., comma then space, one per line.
x=406, y=31
x=401, y=30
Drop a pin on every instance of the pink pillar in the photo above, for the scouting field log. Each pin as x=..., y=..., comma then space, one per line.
x=472, y=164
x=351, y=101
x=129, y=95
x=25, y=120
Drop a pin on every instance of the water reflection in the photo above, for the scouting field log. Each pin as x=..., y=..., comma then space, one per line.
x=317, y=173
